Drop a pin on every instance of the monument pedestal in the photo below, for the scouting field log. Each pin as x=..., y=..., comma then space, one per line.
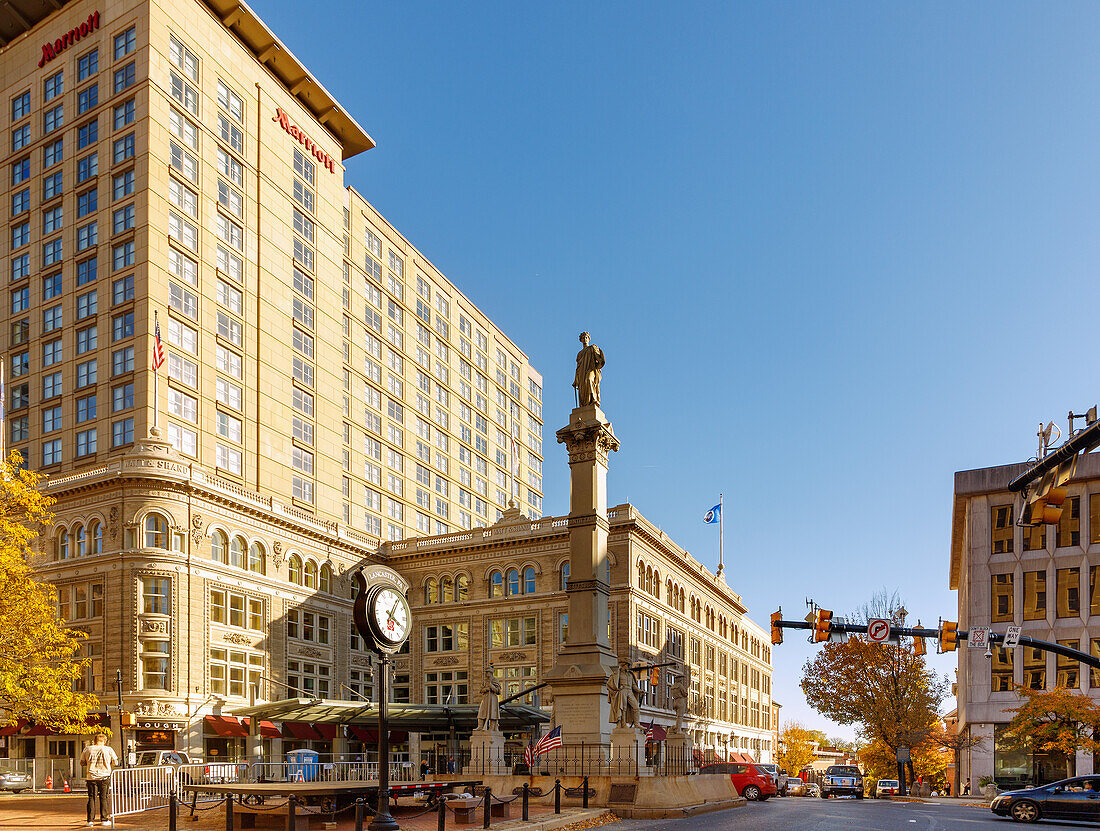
x=487, y=753
x=679, y=754
x=628, y=752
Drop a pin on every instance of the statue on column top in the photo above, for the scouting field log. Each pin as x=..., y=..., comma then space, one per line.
x=624, y=694
x=680, y=688
x=488, y=709
x=590, y=362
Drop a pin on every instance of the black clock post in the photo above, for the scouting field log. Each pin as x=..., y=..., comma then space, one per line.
x=383, y=821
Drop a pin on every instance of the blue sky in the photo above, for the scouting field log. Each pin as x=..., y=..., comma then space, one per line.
x=834, y=252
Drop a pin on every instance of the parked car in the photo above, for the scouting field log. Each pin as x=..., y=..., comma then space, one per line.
x=780, y=777
x=151, y=758
x=751, y=781
x=795, y=786
x=15, y=780
x=842, y=780
x=212, y=774
x=886, y=787
x=811, y=789
x=1073, y=799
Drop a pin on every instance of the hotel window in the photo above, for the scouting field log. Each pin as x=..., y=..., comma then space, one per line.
x=183, y=370
x=88, y=167
x=303, y=167
x=122, y=184
x=183, y=129
x=85, y=443
x=303, y=254
x=230, y=168
x=53, y=118
x=122, y=149
x=1069, y=526
x=125, y=76
x=182, y=91
x=228, y=458
x=230, y=265
x=233, y=672
x=87, y=98
x=1001, y=675
x=183, y=161
x=228, y=427
x=447, y=638
x=87, y=65
x=122, y=361
x=1002, y=529
x=304, y=226
x=447, y=687
x=1035, y=539
x=230, y=133
x=20, y=202
x=53, y=153
x=20, y=105
x=124, y=43
x=1035, y=668
x=512, y=632
x=122, y=289
x=230, y=329
x=85, y=339
x=87, y=203
x=121, y=220
x=311, y=680
x=1068, y=670
x=1069, y=592
x=184, y=440
x=303, y=195
x=123, y=114
x=51, y=319
x=230, y=199
x=155, y=595
x=230, y=101
x=229, y=362
x=154, y=665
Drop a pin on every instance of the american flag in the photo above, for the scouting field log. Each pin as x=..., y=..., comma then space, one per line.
x=158, y=348
x=529, y=755
x=648, y=731
x=549, y=741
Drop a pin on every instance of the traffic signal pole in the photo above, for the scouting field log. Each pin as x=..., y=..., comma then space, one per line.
x=963, y=634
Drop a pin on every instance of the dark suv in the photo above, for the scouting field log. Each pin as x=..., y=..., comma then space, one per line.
x=842, y=780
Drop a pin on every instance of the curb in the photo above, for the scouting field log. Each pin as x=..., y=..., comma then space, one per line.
x=556, y=821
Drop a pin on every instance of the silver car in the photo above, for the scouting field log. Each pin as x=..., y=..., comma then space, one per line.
x=15, y=780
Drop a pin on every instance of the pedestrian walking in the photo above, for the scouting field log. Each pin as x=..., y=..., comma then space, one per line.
x=423, y=769
x=451, y=765
x=98, y=760
x=966, y=788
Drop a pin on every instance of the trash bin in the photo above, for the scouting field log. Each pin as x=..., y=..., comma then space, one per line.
x=301, y=765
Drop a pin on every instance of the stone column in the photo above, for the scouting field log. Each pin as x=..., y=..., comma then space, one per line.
x=586, y=660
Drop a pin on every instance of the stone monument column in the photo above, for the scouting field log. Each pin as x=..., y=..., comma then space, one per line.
x=586, y=660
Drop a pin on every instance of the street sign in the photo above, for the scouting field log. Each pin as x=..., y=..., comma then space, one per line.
x=878, y=630
x=836, y=635
x=1012, y=637
x=903, y=755
x=979, y=637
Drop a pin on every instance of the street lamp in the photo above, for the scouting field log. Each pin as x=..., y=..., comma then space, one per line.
x=121, y=730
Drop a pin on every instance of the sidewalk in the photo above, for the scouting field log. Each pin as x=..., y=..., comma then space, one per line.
x=50, y=811
x=968, y=801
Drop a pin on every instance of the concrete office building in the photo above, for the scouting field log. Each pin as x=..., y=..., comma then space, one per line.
x=1044, y=580
x=324, y=386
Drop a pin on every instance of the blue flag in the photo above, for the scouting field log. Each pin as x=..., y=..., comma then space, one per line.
x=713, y=515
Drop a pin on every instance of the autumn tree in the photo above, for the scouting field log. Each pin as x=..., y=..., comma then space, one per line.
x=796, y=747
x=1055, y=721
x=954, y=743
x=39, y=656
x=886, y=690
x=929, y=761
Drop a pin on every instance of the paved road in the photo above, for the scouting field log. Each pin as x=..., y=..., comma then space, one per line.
x=808, y=814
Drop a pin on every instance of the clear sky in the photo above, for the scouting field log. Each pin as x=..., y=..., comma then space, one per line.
x=833, y=252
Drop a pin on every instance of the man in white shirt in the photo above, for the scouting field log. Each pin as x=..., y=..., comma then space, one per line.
x=99, y=760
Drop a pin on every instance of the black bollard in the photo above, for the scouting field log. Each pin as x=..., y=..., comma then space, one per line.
x=229, y=812
x=194, y=802
x=584, y=797
x=526, y=791
x=292, y=804
x=441, y=818
x=557, y=796
x=172, y=811
x=359, y=814
x=488, y=802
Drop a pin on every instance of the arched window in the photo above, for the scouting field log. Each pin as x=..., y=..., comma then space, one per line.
x=294, y=569
x=257, y=561
x=447, y=590
x=496, y=584
x=431, y=591
x=462, y=588
x=219, y=547
x=311, y=574
x=63, y=544
x=156, y=531
x=95, y=534
x=81, y=541
x=237, y=548
x=564, y=576
x=325, y=579
x=657, y=584
x=670, y=595
x=648, y=580
x=641, y=575
x=529, y=580
x=513, y=581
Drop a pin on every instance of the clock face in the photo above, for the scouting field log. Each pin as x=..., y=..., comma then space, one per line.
x=391, y=615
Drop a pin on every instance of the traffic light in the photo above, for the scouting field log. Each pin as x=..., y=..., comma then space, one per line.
x=127, y=720
x=655, y=676
x=1046, y=497
x=949, y=635
x=918, y=646
x=821, y=625
x=777, y=630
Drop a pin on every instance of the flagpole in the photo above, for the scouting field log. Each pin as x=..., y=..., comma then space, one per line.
x=721, y=536
x=3, y=414
x=156, y=384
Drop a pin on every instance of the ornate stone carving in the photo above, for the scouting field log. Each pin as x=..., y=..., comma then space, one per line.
x=112, y=523
x=446, y=661
x=512, y=656
x=310, y=652
x=237, y=638
x=360, y=661
x=154, y=627
x=277, y=556
x=155, y=707
x=196, y=529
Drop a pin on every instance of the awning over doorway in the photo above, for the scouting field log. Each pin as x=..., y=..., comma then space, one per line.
x=228, y=727
x=327, y=731
x=12, y=729
x=267, y=729
x=300, y=730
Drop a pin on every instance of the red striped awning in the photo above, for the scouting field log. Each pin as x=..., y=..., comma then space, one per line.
x=327, y=731
x=228, y=727
x=267, y=728
x=300, y=730
x=363, y=734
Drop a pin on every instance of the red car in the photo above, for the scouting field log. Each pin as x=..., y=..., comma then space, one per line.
x=752, y=782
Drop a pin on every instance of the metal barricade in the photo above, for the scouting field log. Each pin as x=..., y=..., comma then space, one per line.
x=134, y=790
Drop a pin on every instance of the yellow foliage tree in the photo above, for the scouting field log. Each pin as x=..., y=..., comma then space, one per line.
x=39, y=656
x=929, y=762
x=796, y=747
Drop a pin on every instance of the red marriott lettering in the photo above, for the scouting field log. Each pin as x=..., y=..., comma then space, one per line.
x=50, y=50
x=306, y=142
